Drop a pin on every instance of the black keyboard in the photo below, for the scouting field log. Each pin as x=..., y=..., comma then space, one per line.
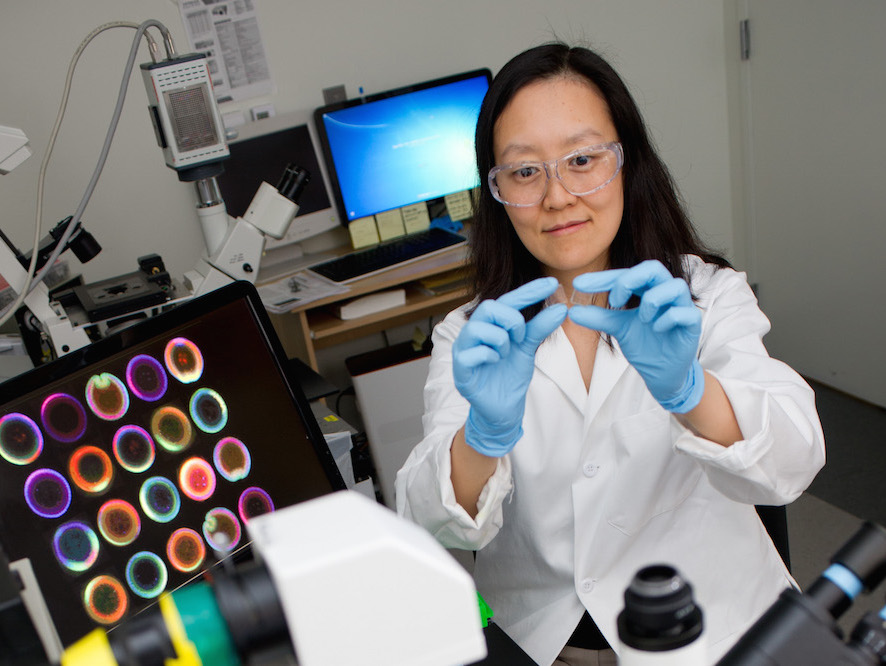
x=388, y=254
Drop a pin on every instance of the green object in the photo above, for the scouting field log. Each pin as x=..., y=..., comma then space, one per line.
x=485, y=610
x=204, y=625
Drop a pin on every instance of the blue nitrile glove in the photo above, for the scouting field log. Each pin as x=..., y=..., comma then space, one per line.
x=493, y=359
x=659, y=338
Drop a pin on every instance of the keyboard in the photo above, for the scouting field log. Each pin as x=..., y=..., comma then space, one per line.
x=402, y=250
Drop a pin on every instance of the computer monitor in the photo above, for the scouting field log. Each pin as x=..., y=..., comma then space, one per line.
x=260, y=151
x=404, y=146
x=129, y=466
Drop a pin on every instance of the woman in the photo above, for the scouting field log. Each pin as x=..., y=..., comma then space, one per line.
x=640, y=425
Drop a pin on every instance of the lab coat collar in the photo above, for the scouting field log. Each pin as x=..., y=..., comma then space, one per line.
x=609, y=366
x=556, y=359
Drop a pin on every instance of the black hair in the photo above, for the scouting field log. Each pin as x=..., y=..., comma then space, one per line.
x=654, y=224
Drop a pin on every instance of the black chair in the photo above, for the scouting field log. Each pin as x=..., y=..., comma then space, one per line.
x=775, y=520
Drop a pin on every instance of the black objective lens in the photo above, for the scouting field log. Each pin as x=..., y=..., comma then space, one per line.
x=865, y=556
x=660, y=613
x=248, y=601
x=869, y=637
x=84, y=246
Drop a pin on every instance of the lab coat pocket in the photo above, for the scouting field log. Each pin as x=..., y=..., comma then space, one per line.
x=653, y=478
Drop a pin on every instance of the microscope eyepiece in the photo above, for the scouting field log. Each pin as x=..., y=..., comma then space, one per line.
x=293, y=182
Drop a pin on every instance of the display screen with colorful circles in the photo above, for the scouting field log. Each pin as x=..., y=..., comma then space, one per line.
x=127, y=474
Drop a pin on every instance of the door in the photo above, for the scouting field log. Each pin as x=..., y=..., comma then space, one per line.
x=814, y=103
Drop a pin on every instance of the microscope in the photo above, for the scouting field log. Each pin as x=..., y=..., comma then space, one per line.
x=661, y=625
x=335, y=580
x=190, y=132
x=189, y=129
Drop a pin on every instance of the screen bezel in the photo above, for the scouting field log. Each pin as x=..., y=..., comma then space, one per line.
x=323, y=139
x=242, y=294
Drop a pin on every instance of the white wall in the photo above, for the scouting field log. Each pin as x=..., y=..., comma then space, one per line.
x=671, y=53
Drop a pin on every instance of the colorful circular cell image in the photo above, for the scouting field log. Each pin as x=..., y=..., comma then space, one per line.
x=118, y=522
x=75, y=545
x=146, y=377
x=196, y=478
x=208, y=410
x=107, y=396
x=183, y=360
x=90, y=469
x=172, y=429
x=133, y=448
x=20, y=439
x=47, y=493
x=159, y=499
x=185, y=550
x=232, y=459
x=254, y=502
x=146, y=574
x=105, y=599
x=221, y=529
x=63, y=417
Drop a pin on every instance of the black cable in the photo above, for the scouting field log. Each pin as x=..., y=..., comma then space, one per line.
x=347, y=391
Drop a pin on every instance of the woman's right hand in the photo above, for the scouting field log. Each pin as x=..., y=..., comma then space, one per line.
x=493, y=359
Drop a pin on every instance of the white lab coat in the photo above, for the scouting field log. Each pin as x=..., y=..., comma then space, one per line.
x=605, y=481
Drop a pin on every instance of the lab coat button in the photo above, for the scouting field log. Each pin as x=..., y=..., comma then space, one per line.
x=590, y=469
x=587, y=585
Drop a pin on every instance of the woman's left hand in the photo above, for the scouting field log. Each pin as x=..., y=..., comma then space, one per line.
x=659, y=338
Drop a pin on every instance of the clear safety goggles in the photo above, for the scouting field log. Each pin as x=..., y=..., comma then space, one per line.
x=581, y=172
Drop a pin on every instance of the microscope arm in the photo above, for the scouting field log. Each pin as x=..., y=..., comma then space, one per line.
x=53, y=320
x=235, y=245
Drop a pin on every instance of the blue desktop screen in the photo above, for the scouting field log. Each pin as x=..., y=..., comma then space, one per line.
x=400, y=150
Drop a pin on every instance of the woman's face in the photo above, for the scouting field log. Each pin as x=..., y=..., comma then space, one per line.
x=544, y=121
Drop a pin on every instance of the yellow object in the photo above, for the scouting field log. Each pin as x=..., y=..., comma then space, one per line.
x=91, y=650
x=416, y=217
x=459, y=205
x=185, y=649
x=94, y=649
x=363, y=232
x=389, y=224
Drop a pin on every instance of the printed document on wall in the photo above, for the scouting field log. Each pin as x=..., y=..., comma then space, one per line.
x=227, y=32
